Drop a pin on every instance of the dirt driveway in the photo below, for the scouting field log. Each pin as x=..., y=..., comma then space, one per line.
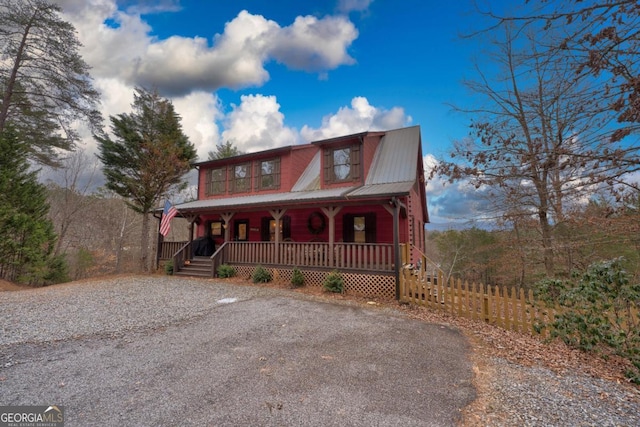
x=263, y=359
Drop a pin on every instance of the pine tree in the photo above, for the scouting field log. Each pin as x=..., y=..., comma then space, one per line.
x=45, y=87
x=27, y=237
x=148, y=157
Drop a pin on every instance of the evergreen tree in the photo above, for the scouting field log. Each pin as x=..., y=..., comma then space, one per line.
x=147, y=158
x=45, y=87
x=27, y=237
x=224, y=151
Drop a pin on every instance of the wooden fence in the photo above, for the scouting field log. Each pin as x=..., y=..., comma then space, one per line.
x=500, y=306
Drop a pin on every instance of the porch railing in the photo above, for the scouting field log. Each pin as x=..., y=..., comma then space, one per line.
x=180, y=256
x=344, y=256
x=168, y=249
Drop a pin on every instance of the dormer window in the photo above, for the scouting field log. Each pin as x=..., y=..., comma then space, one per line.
x=216, y=180
x=268, y=174
x=342, y=164
x=241, y=177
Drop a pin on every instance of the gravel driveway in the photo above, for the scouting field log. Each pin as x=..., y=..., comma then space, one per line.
x=170, y=351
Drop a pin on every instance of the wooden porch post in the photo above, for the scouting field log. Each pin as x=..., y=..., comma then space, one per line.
x=159, y=242
x=396, y=243
x=192, y=220
x=226, y=217
x=331, y=213
x=394, y=210
x=277, y=214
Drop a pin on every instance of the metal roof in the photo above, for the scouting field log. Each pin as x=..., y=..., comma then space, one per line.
x=393, y=172
x=390, y=189
x=291, y=197
x=310, y=178
x=396, y=158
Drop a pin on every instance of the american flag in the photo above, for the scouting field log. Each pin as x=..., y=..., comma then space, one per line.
x=169, y=212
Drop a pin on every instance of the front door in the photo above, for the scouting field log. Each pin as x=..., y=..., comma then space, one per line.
x=241, y=230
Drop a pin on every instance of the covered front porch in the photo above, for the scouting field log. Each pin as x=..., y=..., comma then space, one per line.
x=368, y=269
x=361, y=239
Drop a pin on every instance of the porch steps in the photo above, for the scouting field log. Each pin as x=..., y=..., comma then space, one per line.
x=197, y=267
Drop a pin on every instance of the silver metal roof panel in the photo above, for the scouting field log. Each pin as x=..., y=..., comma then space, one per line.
x=310, y=178
x=389, y=189
x=396, y=158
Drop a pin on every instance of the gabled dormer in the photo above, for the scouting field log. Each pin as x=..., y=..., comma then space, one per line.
x=345, y=160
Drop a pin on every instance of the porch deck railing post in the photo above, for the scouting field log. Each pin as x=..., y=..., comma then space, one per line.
x=396, y=243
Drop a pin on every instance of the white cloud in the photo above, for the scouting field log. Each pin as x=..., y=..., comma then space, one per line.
x=178, y=65
x=257, y=124
x=360, y=117
x=314, y=44
x=346, y=6
x=200, y=113
x=455, y=204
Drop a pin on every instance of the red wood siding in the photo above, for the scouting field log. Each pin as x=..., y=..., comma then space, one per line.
x=297, y=162
x=368, y=151
x=299, y=224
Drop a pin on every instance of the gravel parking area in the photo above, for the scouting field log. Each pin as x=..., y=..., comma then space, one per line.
x=170, y=351
x=122, y=327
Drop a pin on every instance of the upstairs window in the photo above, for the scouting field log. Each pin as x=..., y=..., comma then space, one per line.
x=216, y=181
x=342, y=164
x=268, y=174
x=241, y=178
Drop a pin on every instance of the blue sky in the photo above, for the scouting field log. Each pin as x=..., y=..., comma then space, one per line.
x=266, y=73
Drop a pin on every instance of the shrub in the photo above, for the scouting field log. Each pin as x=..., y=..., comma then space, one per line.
x=334, y=283
x=168, y=267
x=84, y=261
x=596, y=311
x=297, y=279
x=261, y=275
x=225, y=270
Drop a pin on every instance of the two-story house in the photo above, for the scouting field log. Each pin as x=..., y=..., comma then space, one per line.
x=351, y=203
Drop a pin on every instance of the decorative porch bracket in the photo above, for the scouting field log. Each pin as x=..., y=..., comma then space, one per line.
x=191, y=219
x=331, y=213
x=226, y=217
x=277, y=214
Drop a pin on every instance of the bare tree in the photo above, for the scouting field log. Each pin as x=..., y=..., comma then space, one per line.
x=603, y=38
x=540, y=138
x=70, y=188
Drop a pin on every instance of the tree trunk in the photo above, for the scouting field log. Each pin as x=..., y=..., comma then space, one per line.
x=144, y=243
x=547, y=243
x=11, y=82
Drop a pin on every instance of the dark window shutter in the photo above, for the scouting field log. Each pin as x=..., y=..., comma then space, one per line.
x=276, y=173
x=207, y=182
x=369, y=227
x=264, y=229
x=355, y=162
x=257, y=176
x=286, y=227
x=328, y=165
x=347, y=228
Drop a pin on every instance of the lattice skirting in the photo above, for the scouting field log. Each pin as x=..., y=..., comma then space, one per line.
x=367, y=285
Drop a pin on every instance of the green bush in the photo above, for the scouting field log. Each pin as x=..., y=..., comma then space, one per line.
x=261, y=275
x=297, y=279
x=168, y=267
x=334, y=283
x=596, y=311
x=225, y=270
x=84, y=261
